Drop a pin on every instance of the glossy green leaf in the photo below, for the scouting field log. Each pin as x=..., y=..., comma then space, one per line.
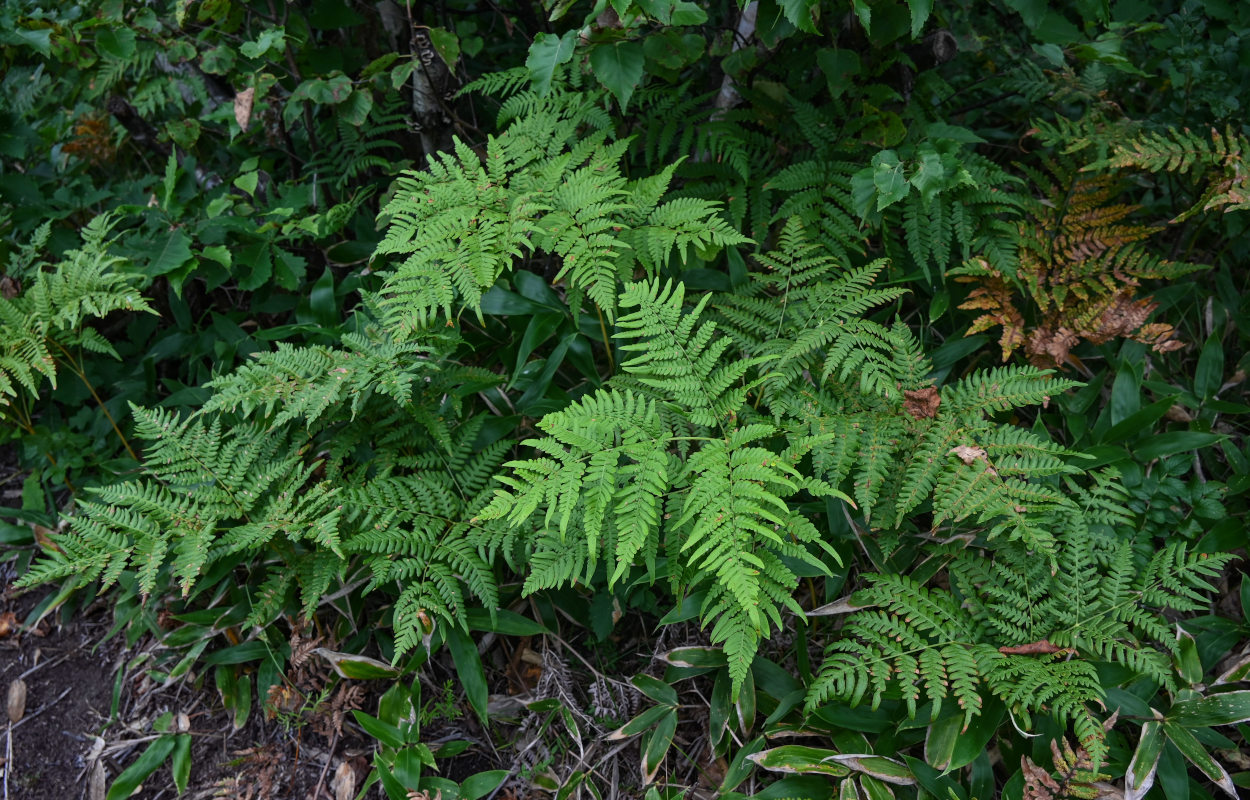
x=800, y=760
x=657, y=745
x=1196, y=754
x=384, y=732
x=1141, y=770
x=1188, y=664
x=879, y=767
x=1228, y=708
x=874, y=789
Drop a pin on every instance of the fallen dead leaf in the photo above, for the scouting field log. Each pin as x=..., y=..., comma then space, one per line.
x=344, y=782
x=17, y=700
x=96, y=783
x=243, y=107
x=969, y=454
x=8, y=622
x=922, y=403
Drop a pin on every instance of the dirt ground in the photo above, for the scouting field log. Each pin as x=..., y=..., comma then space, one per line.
x=82, y=724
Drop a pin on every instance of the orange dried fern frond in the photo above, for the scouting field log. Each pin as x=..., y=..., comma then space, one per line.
x=1081, y=263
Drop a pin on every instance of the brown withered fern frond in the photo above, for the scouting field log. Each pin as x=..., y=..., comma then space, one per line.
x=1081, y=263
x=1076, y=775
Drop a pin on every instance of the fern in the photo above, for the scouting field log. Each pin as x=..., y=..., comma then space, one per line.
x=1009, y=618
x=48, y=322
x=460, y=225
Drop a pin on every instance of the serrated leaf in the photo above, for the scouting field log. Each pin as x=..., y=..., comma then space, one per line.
x=619, y=67
x=802, y=14
x=546, y=53
x=920, y=10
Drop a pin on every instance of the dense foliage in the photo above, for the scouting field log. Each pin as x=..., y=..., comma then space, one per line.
x=878, y=365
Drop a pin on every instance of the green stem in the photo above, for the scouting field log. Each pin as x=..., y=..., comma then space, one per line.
x=607, y=343
x=73, y=366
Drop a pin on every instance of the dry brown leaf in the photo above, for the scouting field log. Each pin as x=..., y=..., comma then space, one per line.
x=243, y=107
x=343, y=784
x=922, y=403
x=97, y=782
x=969, y=454
x=17, y=700
x=8, y=623
x=10, y=287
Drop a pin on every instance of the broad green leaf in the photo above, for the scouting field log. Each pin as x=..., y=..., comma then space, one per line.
x=920, y=10
x=481, y=784
x=657, y=690
x=384, y=732
x=879, y=767
x=180, y=764
x=638, y=724
x=39, y=40
x=355, y=110
x=657, y=746
x=184, y=133
x=930, y=176
x=694, y=657
x=799, y=759
x=469, y=669
x=447, y=45
x=744, y=705
x=1193, y=750
x=509, y=623
x=939, y=742
x=1186, y=659
x=1209, y=374
x=889, y=179
x=271, y=42
x=546, y=53
x=1228, y=708
x=875, y=789
x=1166, y=444
x=687, y=13
x=118, y=43
x=147, y=763
x=840, y=68
x=169, y=252
x=1141, y=770
x=619, y=67
x=363, y=668
x=802, y=14
x=1236, y=672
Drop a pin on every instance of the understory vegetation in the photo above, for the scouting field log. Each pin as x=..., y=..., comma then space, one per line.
x=818, y=398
